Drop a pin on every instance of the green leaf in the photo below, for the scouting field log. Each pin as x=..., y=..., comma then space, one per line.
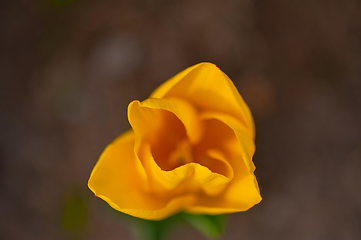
x=209, y=225
x=148, y=229
x=151, y=230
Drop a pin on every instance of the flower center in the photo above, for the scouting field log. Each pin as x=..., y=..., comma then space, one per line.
x=181, y=155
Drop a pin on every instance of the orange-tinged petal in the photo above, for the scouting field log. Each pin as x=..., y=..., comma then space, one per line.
x=240, y=196
x=164, y=88
x=242, y=192
x=190, y=177
x=164, y=124
x=208, y=88
x=222, y=164
x=120, y=180
x=244, y=179
x=246, y=142
x=180, y=108
x=174, y=205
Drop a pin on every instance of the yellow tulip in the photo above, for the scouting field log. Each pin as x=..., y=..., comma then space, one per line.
x=190, y=149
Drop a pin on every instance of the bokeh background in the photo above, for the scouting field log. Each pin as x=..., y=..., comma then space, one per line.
x=69, y=68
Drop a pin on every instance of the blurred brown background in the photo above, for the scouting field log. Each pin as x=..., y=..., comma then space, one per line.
x=69, y=68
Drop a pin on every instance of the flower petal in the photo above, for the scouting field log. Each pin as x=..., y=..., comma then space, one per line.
x=164, y=124
x=173, y=206
x=192, y=176
x=180, y=108
x=240, y=197
x=246, y=143
x=243, y=191
x=208, y=88
x=165, y=87
x=120, y=180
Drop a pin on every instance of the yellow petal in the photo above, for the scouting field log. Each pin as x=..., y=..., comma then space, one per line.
x=120, y=180
x=180, y=108
x=243, y=195
x=242, y=192
x=221, y=166
x=190, y=177
x=246, y=142
x=173, y=206
x=211, y=183
x=208, y=88
x=163, y=123
x=164, y=88
x=147, y=122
